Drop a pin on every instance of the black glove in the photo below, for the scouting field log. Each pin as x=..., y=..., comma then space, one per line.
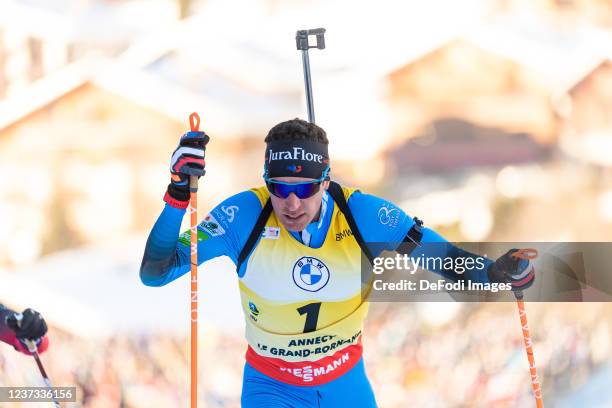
x=187, y=160
x=32, y=326
x=515, y=268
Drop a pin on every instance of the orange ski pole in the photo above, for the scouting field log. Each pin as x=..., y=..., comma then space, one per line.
x=194, y=121
x=535, y=383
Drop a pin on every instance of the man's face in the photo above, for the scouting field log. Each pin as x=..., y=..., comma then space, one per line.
x=294, y=213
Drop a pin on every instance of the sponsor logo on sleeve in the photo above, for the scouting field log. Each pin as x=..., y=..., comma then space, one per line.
x=212, y=226
x=388, y=215
x=185, y=237
x=230, y=211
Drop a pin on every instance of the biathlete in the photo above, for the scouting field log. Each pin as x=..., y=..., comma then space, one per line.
x=297, y=244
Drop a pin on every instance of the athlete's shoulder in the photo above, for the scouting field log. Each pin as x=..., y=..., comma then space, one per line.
x=261, y=193
x=378, y=219
x=246, y=198
x=347, y=191
x=360, y=202
x=237, y=210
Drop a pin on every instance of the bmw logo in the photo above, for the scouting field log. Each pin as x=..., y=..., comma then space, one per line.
x=310, y=274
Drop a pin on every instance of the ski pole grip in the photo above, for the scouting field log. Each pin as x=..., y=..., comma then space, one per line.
x=301, y=38
x=193, y=184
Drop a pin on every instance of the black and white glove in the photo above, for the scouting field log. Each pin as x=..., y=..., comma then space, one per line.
x=514, y=267
x=187, y=160
x=28, y=325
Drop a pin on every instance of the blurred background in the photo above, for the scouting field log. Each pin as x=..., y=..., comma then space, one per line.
x=488, y=119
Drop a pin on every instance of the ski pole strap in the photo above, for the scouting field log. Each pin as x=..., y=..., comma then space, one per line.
x=255, y=234
x=335, y=191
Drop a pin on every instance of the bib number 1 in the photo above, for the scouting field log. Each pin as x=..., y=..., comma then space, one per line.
x=311, y=311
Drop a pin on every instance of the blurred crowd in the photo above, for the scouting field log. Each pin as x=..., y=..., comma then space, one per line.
x=418, y=355
x=474, y=356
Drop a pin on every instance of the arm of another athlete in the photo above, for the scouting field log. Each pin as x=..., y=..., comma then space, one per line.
x=222, y=232
x=380, y=221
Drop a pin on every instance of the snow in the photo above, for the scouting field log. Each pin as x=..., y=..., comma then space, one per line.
x=96, y=291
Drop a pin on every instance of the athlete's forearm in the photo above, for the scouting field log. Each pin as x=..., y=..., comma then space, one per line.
x=163, y=260
x=6, y=335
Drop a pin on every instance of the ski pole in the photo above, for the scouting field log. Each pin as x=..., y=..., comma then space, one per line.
x=301, y=40
x=535, y=383
x=194, y=121
x=31, y=345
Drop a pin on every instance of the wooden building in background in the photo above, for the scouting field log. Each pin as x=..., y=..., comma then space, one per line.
x=462, y=106
x=462, y=80
x=84, y=156
x=586, y=114
x=591, y=102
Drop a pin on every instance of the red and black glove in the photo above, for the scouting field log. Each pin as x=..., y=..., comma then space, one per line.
x=187, y=160
x=28, y=325
x=514, y=267
x=31, y=325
